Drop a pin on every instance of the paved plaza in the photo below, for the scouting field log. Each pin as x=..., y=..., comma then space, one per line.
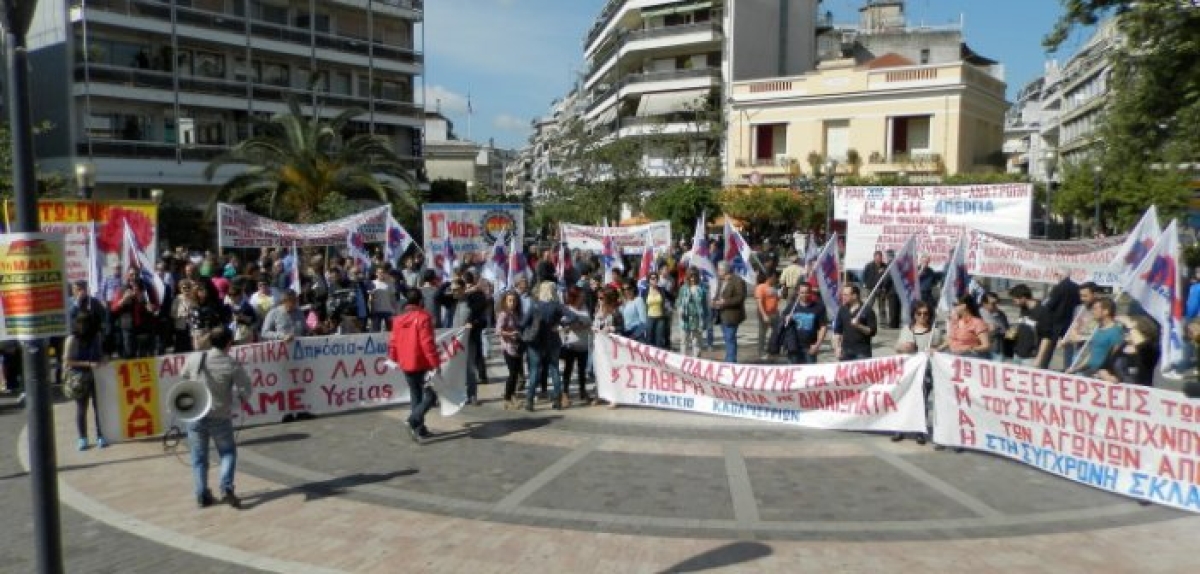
x=582, y=490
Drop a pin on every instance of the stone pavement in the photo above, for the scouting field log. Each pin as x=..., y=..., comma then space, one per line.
x=584, y=490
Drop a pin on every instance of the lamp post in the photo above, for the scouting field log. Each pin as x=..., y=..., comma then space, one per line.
x=830, y=168
x=85, y=179
x=15, y=18
x=470, y=192
x=1098, y=171
x=1050, y=161
x=156, y=195
x=903, y=177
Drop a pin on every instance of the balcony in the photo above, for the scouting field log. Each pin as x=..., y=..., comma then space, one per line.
x=224, y=22
x=159, y=80
x=136, y=149
x=620, y=46
x=713, y=73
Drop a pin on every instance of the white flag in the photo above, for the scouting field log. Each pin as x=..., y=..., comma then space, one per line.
x=1155, y=285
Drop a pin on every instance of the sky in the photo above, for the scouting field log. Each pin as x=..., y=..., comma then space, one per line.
x=513, y=58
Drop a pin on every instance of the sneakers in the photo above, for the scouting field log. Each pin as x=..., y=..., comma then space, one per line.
x=1173, y=375
x=413, y=434
x=228, y=497
x=81, y=444
x=205, y=500
x=897, y=437
x=921, y=439
x=101, y=443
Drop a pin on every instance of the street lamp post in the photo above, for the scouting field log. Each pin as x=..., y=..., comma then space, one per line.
x=16, y=17
x=85, y=179
x=1096, y=215
x=830, y=168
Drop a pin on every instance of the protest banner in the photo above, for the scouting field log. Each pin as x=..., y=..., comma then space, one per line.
x=471, y=228
x=1038, y=260
x=239, y=228
x=318, y=375
x=880, y=218
x=100, y=222
x=629, y=240
x=874, y=394
x=33, y=289
x=1137, y=441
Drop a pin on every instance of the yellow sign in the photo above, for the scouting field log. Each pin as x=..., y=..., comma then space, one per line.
x=137, y=395
x=33, y=286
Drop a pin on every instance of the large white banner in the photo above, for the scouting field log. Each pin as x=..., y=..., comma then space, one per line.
x=630, y=240
x=882, y=218
x=237, y=227
x=874, y=394
x=1037, y=260
x=473, y=228
x=312, y=374
x=1127, y=439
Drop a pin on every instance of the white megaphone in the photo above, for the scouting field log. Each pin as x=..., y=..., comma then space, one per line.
x=190, y=401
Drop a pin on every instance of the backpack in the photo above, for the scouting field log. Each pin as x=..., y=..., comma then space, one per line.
x=534, y=333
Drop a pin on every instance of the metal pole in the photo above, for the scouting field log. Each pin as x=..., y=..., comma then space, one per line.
x=43, y=472
x=1096, y=214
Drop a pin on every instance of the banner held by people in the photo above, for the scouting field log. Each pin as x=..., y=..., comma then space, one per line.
x=875, y=394
x=1132, y=440
x=1040, y=260
x=317, y=375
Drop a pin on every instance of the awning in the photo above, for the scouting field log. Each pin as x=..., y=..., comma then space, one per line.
x=667, y=102
x=606, y=117
x=676, y=9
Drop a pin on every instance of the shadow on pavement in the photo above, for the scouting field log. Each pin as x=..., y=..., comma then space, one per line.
x=323, y=488
x=504, y=427
x=721, y=557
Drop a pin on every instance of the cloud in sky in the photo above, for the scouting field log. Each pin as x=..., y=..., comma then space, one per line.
x=510, y=123
x=445, y=99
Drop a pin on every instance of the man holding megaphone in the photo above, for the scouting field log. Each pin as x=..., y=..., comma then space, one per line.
x=221, y=375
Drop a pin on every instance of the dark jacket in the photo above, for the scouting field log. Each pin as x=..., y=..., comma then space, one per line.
x=732, y=292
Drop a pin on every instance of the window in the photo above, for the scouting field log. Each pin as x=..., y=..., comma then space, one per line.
x=137, y=193
x=247, y=73
x=183, y=61
x=304, y=77
x=275, y=74
x=770, y=143
x=924, y=55
x=210, y=131
x=209, y=65
x=389, y=91
x=321, y=22
x=837, y=139
x=910, y=135
x=339, y=83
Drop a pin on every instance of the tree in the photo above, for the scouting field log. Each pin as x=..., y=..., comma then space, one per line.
x=49, y=184
x=1149, y=124
x=444, y=190
x=681, y=204
x=306, y=168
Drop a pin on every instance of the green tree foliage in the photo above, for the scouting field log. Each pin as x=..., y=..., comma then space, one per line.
x=1152, y=120
x=49, y=184
x=774, y=210
x=306, y=168
x=681, y=204
x=444, y=190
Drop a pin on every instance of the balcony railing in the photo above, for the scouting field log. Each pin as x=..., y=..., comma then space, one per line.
x=231, y=22
x=602, y=59
x=672, y=75
x=134, y=149
x=135, y=77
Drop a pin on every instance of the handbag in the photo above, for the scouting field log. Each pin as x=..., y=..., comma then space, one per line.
x=75, y=384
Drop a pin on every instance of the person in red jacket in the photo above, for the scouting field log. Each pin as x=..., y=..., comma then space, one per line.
x=412, y=347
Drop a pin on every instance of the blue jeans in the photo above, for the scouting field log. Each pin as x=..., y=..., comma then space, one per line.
x=421, y=398
x=380, y=322
x=802, y=357
x=542, y=361
x=656, y=332
x=221, y=433
x=729, y=335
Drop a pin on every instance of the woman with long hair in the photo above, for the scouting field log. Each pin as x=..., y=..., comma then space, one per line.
x=82, y=354
x=969, y=333
x=508, y=324
x=693, y=307
x=919, y=336
x=181, y=311
x=577, y=341
x=608, y=320
x=209, y=313
x=1134, y=363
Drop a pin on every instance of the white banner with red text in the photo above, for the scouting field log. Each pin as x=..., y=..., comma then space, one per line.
x=1039, y=260
x=237, y=227
x=880, y=218
x=318, y=375
x=881, y=394
x=1137, y=441
x=473, y=229
x=629, y=240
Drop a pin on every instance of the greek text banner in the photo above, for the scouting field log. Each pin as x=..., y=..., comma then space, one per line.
x=312, y=374
x=1037, y=260
x=1137, y=441
x=875, y=394
x=629, y=240
x=240, y=228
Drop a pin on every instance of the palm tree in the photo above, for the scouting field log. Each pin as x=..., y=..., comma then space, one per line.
x=296, y=164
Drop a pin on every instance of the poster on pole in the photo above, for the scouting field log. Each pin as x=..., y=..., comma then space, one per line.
x=880, y=218
x=1039, y=260
x=881, y=394
x=473, y=228
x=76, y=219
x=319, y=375
x=1137, y=441
x=630, y=240
x=239, y=228
x=33, y=286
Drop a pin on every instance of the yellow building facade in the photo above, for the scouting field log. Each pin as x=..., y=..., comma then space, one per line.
x=887, y=116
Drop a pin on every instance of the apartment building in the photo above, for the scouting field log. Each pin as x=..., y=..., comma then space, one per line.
x=480, y=166
x=885, y=99
x=1054, y=119
x=161, y=87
